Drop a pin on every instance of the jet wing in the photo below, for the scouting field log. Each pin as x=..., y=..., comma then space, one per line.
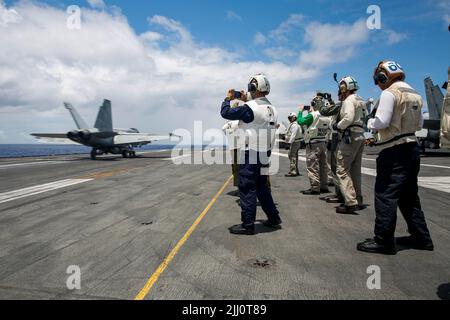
x=53, y=138
x=139, y=139
x=50, y=135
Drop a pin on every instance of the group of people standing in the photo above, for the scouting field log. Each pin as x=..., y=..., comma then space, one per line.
x=334, y=138
x=335, y=141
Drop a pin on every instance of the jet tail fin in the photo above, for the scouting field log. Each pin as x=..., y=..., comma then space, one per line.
x=81, y=124
x=435, y=99
x=104, y=117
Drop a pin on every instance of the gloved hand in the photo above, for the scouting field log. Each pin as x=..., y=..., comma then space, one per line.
x=335, y=127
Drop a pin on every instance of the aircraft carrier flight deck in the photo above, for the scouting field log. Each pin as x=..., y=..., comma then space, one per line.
x=146, y=228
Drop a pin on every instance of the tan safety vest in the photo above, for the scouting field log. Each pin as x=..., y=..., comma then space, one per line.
x=406, y=118
x=445, y=122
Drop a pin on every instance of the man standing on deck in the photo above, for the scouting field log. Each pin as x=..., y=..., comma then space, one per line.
x=257, y=127
x=316, y=160
x=294, y=139
x=351, y=145
x=398, y=118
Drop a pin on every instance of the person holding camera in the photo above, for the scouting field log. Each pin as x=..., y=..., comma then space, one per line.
x=294, y=139
x=328, y=108
x=257, y=126
x=397, y=119
x=315, y=138
x=351, y=145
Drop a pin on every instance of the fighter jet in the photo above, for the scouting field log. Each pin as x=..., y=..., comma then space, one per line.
x=103, y=139
x=430, y=137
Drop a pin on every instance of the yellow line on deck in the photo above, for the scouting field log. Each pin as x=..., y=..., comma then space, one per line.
x=155, y=276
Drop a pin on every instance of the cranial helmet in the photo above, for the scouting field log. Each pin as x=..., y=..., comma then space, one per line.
x=387, y=72
x=259, y=83
x=348, y=84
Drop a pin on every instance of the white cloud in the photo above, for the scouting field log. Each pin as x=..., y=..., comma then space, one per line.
x=259, y=39
x=395, y=37
x=279, y=53
x=444, y=7
x=97, y=4
x=172, y=26
x=332, y=43
x=294, y=21
x=159, y=80
x=233, y=16
x=151, y=36
x=8, y=16
x=447, y=19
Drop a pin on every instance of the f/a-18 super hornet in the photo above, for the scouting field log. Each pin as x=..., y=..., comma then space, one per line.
x=435, y=124
x=103, y=139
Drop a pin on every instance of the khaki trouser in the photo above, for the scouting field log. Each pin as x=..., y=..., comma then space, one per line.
x=348, y=169
x=331, y=179
x=235, y=167
x=293, y=157
x=332, y=162
x=316, y=163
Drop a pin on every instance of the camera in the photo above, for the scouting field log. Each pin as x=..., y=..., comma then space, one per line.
x=326, y=96
x=307, y=108
x=237, y=95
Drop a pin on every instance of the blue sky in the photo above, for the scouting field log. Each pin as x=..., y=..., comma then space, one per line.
x=276, y=34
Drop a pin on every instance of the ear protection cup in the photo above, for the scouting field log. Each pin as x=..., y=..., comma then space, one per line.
x=252, y=87
x=380, y=77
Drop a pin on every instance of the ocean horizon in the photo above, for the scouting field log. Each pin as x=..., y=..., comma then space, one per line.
x=40, y=150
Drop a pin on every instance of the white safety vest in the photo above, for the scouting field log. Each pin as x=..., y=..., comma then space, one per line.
x=230, y=132
x=298, y=134
x=317, y=131
x=259, y=135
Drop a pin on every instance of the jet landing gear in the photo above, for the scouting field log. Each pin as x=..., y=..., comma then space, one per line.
x=129, y=154
x=94, y=154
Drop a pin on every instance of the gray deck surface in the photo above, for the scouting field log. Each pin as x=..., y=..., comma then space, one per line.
x=121, y=225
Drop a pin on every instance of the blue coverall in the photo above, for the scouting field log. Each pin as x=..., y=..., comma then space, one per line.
x=252, y=185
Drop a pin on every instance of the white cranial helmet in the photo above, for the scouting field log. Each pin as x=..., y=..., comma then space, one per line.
x=348, y=84
x=259, y=83
x=292, y=115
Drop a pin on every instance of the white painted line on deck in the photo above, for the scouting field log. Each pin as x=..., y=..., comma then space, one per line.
x=29, y=164
x=422, y=164
x=188, y=155
x=31, y=191
x=439, y=183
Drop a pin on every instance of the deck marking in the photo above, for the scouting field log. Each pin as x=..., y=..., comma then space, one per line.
x=155, y=276
x=31, y=191
x=30, y=164
x=440, y=183
x=422, y=164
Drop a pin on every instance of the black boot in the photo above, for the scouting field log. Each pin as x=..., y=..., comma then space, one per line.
x=241, y=230
x=371, y=246
x=413, y=243
x=347, y=210
x=310, y=193
x=274, y=224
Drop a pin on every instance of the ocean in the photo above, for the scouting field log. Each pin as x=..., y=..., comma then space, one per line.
x=39, y=150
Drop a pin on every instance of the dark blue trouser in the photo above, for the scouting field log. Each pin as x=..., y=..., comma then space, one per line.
x=396, y=186
x=253, y=186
